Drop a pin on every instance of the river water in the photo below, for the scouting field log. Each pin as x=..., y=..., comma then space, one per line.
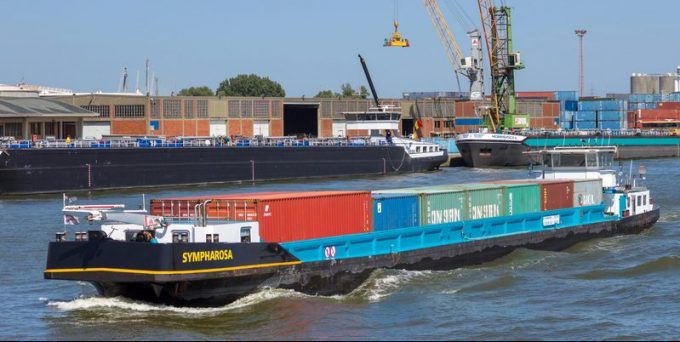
x=615, y=288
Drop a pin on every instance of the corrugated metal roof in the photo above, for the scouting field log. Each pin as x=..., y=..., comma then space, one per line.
x=40, y=107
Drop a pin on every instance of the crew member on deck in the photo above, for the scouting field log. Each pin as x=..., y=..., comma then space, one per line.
x=388, y=136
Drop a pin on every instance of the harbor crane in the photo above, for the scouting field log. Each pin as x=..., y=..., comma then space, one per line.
x=503, y=61
x=471, y=67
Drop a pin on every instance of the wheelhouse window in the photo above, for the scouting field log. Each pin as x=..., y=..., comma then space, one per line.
x=245, y=235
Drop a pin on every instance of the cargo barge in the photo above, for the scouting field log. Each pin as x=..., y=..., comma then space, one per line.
x=498, y=150
x=43, y=167
x=212, y=250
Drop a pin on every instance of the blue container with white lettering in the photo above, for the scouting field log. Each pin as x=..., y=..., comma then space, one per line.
x=392, y=211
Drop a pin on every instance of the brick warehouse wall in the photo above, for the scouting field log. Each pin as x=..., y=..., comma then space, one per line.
x=191, y=115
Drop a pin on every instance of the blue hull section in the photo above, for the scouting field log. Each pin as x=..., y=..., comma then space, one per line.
x=424, y=237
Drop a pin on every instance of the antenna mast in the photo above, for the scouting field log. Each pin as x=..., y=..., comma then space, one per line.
x=580, y=34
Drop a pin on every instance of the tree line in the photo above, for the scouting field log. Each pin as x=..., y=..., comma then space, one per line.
x=254, y=85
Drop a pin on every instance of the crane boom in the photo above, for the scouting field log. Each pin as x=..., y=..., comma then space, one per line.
x=370, y=81
x=471, y=67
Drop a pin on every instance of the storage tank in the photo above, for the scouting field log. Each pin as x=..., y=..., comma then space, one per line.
x=667, y=83
x=644, y=84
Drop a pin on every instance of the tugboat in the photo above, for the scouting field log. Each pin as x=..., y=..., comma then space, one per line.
x=212, y=250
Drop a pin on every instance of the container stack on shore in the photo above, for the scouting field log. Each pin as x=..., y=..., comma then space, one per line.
x=292, y=216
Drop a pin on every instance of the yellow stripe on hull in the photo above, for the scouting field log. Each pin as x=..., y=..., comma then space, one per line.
x=150, y=272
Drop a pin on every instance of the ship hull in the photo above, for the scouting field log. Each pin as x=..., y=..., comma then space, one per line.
x=481, y=153
x=325, y=277
x=26, y=171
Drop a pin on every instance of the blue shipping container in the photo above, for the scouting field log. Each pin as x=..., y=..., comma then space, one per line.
x=610, y=125
x=584, y=125
x=568, y=95
x=602, y=105
x=395, y=211
x=585, y=115
x=571, y=105
x=609, y=115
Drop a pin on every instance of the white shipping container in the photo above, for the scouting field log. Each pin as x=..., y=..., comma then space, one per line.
x=587, y=192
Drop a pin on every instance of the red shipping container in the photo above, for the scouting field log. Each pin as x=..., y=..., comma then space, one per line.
x=551, y=109
x=658, y=114
x=183, y=207
x=632, y=119
x=668, y=105
x=295, y=216
x=539, y=94
x=557, y=194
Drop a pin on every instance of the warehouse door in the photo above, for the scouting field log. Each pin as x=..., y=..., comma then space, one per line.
x=96, y=129
x=261, y=128
x=301, y=119
x=339, y=129
x=218, y=128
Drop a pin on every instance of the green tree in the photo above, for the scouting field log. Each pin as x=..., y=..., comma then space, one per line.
x=347, y=90
x=363, y=92
x=196, y=91
x=326, y=94
x=250, y=85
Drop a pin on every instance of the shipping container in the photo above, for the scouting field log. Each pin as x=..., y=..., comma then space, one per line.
x=520, y=197
x=485, y=201
x=611, y=115
x=554, y=194
x=585, y=115
x=587, y=192
x=392, y=211
x=658, y=114
x=443, y=207
x=184, y=207
x=536, y=94
x=602, y=104
x=480, y=201
x=294, y=216
x=614, y=125
x=668, y=105
x=557, y=194
x=551, y=109
x=571, y=105
x=584, y=124
x=566, y=95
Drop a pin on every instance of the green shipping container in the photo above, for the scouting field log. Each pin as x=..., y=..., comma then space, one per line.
x=522, y=198
x=456, y=202
x=485, y=200
x=443, y=207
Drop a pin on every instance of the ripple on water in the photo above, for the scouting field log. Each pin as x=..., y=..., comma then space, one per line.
x=659, y=265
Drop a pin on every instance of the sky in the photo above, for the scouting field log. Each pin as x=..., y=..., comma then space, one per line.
x=312, y=45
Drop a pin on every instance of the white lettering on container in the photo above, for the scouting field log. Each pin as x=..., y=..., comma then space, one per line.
x=444, y=216
x=484, y=211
